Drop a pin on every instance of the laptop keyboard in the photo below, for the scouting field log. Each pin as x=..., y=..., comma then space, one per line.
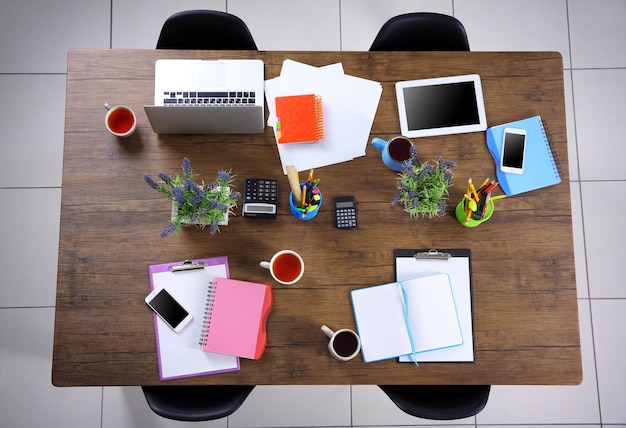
x=209, y=99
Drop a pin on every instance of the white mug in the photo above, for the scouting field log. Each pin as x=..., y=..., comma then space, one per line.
x=120, y=120
x=286, y=267
x=344, y=344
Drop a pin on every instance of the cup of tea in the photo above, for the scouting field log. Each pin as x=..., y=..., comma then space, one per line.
x=344, y=344
x=286, y=267
x=120, y=120
x=396, y=152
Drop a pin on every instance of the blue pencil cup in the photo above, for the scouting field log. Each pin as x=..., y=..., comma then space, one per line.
x=301, y=214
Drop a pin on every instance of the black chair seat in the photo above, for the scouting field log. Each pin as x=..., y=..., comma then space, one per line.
x=205, y=29
x=439, y=402
x=421, y=31
x=196, y=403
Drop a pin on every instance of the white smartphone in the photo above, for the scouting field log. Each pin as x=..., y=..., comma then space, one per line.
x=168, y=309
x=513, y=148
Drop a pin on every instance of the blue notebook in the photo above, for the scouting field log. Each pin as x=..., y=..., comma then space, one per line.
x=540, y=168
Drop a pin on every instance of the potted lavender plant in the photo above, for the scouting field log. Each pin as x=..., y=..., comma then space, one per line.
x=199, y=204
x=423, y=187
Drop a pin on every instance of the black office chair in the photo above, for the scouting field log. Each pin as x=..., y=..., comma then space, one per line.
x=421, y=31
x=205, y=29
x=439, y=402
x=196, y=403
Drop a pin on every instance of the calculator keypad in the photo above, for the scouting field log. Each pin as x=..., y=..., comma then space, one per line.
x=261, y=191
x=346, y=217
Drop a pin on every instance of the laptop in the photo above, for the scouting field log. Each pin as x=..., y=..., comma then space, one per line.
x=207, y=97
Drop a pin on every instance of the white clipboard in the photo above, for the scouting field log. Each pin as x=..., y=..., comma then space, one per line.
x=457, y=264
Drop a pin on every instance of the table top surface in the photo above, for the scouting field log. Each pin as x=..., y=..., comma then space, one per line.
x=524, y=290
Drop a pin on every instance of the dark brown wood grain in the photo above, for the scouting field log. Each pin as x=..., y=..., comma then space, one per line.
x=524, y=288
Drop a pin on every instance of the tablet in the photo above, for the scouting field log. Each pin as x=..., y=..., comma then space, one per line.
x=441, y=106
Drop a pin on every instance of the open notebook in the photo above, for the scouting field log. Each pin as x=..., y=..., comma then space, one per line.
x=406, y=317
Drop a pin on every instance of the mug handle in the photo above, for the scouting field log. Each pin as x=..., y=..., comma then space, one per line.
x=379, y=144
x=265, y=265
x=327, y=331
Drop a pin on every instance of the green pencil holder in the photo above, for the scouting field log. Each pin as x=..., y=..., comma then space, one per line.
x=461, y=215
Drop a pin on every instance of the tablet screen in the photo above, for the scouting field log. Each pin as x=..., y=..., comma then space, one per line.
x=437, y=106
x=441, y=106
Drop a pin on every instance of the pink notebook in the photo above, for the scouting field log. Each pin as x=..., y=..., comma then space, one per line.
x=236, y=316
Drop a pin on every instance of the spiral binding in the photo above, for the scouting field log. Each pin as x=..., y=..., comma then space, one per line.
x=319, y=117
x=546, y=136
x=208, y=311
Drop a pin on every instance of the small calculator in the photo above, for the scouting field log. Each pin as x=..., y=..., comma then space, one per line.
x=345, y=212
x=260, y=198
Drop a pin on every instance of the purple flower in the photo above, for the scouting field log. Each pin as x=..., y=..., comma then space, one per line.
x=442, y=208
x=202, y=212
x=178, y=195
x=165, y=177
x=222, y=206
x=168, y=230
x=445, y=164
x=235, y=195
x=213, y=227
x=198, y=198
x=151, y=182
x=223, y=175
x=213, y=203
x=396, y=199
x=188, y=184
x=187, y=167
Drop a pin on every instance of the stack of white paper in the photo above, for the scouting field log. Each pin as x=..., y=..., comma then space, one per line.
x=349, y=105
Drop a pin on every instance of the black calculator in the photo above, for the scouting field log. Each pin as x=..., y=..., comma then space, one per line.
x=260, y=198
x=345, y=212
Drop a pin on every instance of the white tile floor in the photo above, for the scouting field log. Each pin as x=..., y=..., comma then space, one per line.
x=35, y=37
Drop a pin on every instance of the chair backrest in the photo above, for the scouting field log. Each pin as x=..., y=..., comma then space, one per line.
x=439, y=402
x=421, y=31
x=205, y=29
x=196, y=403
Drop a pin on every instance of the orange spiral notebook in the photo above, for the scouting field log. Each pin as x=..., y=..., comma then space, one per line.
x=299, y=119
x=235, y=317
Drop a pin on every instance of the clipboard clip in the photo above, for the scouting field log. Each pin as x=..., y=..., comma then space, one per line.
x=432, y=255
x=187, y=265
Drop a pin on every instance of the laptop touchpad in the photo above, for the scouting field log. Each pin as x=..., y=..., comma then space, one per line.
x=210, y=74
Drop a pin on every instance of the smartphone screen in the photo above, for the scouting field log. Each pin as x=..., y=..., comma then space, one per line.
x=168, y=308
x=513, y=152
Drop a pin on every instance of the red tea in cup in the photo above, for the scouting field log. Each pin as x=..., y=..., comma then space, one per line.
x=120, y=120
x=286, y=267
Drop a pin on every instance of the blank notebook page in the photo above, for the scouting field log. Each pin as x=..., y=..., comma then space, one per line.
x=381, y=323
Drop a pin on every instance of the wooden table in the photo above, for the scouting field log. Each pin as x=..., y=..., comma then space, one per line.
x=524, y=290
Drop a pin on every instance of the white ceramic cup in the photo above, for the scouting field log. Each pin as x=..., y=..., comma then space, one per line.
x=286, y=267
x=120, y=120
x=344, y=344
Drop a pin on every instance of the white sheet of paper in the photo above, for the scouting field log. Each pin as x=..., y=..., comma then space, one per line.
x=349, y=105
